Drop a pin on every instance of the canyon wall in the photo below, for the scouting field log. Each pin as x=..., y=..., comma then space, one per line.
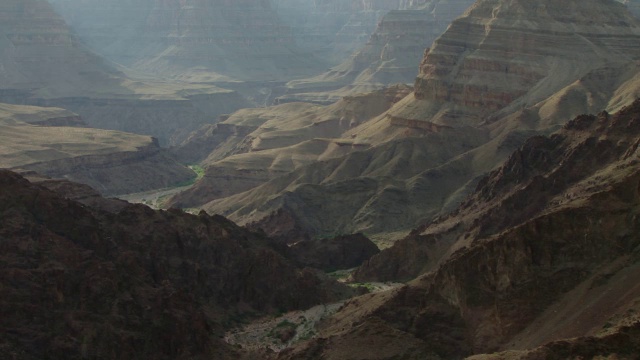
x=388, y=57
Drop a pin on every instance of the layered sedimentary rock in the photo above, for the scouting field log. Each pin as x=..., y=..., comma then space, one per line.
x=539, y=262
x=80, y=281
x=49, y=142
x=389, y=56
x=196, y=40
x=428, y=151
x=42, y=63
x=506, y=55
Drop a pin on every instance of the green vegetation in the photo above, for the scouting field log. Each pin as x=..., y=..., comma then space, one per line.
x=199, y=170
x=370, y=287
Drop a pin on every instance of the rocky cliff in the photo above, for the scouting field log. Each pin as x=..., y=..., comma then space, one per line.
x=506, y=55
x=429, y=150
x=79, y=281
x=389, y=56
x=541, y=260
x=49, y=142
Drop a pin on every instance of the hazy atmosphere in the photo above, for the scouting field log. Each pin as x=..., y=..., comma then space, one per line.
x=319, y=179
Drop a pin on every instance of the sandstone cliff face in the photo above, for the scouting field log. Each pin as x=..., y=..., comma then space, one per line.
x=80, y=282
x=41, y=140
x=506, y=55
x=545, y=249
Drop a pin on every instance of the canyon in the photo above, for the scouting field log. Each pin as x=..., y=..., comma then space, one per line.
x=319, y=179
x=424, y=154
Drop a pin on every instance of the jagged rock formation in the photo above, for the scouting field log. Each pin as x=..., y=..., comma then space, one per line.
x=428, y=151
x=193, y=40
x=82, y=282
x=545, y=249
x=74, y=78
x=389, y=56
x=49, y=141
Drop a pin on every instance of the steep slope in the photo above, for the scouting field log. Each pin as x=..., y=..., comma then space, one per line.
x=457, y=120
x=49, y=141
x=81, y=282
x=253, y=146
x=500, y=58
x=193, y=40
x=545, y=249
x=42, y=63
x=389, y=56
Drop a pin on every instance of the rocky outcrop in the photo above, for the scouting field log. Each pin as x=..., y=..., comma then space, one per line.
x=389, y=56
x=112, y=162
x=79, y=282
x=194, y=40
x=545, y=249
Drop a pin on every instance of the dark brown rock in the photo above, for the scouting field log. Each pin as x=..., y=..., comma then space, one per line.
x=544, y=250
x=78, y=282
x=338, y=253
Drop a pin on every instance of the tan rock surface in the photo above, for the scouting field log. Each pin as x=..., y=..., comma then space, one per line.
x=113, y=162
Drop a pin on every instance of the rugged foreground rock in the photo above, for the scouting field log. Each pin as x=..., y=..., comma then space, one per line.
x=110, y=280
x=541, y=261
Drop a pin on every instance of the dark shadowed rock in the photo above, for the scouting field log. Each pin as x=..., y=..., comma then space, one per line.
x=79, y=282
x=338, y=253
